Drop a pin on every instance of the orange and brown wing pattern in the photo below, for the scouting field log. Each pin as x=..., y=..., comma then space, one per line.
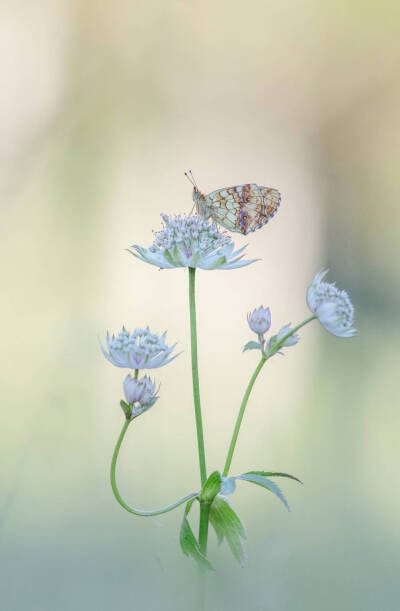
x=243, y=208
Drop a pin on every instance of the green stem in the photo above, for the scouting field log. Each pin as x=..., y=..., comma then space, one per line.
x=138, y=512
x=241, y=414
x=203, y=527
x=204, y=507
x=195, y=376
x=203, y=539
x=249, y=388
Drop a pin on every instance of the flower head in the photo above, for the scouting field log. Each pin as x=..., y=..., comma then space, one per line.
x=331, y=306
x=275, y=339
x=191, y=241
x=140, y=394
x=259, y=320
x=138, y=350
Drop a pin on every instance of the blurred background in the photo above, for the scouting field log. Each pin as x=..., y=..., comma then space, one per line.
x=104, y=106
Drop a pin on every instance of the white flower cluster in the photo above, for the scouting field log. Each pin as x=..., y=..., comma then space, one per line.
x=138, y=350
x=331, y=306
x=191, y=241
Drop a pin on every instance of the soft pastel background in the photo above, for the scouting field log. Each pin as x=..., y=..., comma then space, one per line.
x=103, y=107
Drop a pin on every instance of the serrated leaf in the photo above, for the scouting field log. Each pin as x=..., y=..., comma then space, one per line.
x=188, y=541
x=260, y=480
x=276, y=474
x=227, y=525
x=252, y=346
x=211, y=488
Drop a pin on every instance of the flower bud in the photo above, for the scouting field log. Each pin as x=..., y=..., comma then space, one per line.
x=275, y=339
x=141, y=394
x=259, y=320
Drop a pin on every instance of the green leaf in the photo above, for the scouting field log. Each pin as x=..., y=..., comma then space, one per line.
x=276, y=474
x=227, y=525
x=252, y=346
x=211, y=488
x=260, y=480
x=188, y=541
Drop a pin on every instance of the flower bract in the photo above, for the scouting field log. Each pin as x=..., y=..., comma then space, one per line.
x=331, y=306
x=191, y=241
x=138, y=350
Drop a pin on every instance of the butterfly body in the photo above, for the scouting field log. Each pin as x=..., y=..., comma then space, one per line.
x=241, y=209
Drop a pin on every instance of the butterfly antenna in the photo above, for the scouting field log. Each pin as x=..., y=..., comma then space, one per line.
x=190, y=177
x=194, y=182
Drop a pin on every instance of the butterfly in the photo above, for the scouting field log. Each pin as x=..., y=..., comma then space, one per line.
x=241, y=209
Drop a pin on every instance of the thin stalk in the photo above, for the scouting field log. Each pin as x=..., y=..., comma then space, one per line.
x=249, y=388
x=204, y=508
x=195, y=376
x=203, y=539
x=138, y=512
x=241, y=414
x=203, y=527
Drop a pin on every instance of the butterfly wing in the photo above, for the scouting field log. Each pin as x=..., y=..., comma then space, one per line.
x=243, y=208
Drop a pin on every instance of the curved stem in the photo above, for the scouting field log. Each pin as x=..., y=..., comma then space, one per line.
x=138, y=512
x=195, y=376
x=249, y=388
